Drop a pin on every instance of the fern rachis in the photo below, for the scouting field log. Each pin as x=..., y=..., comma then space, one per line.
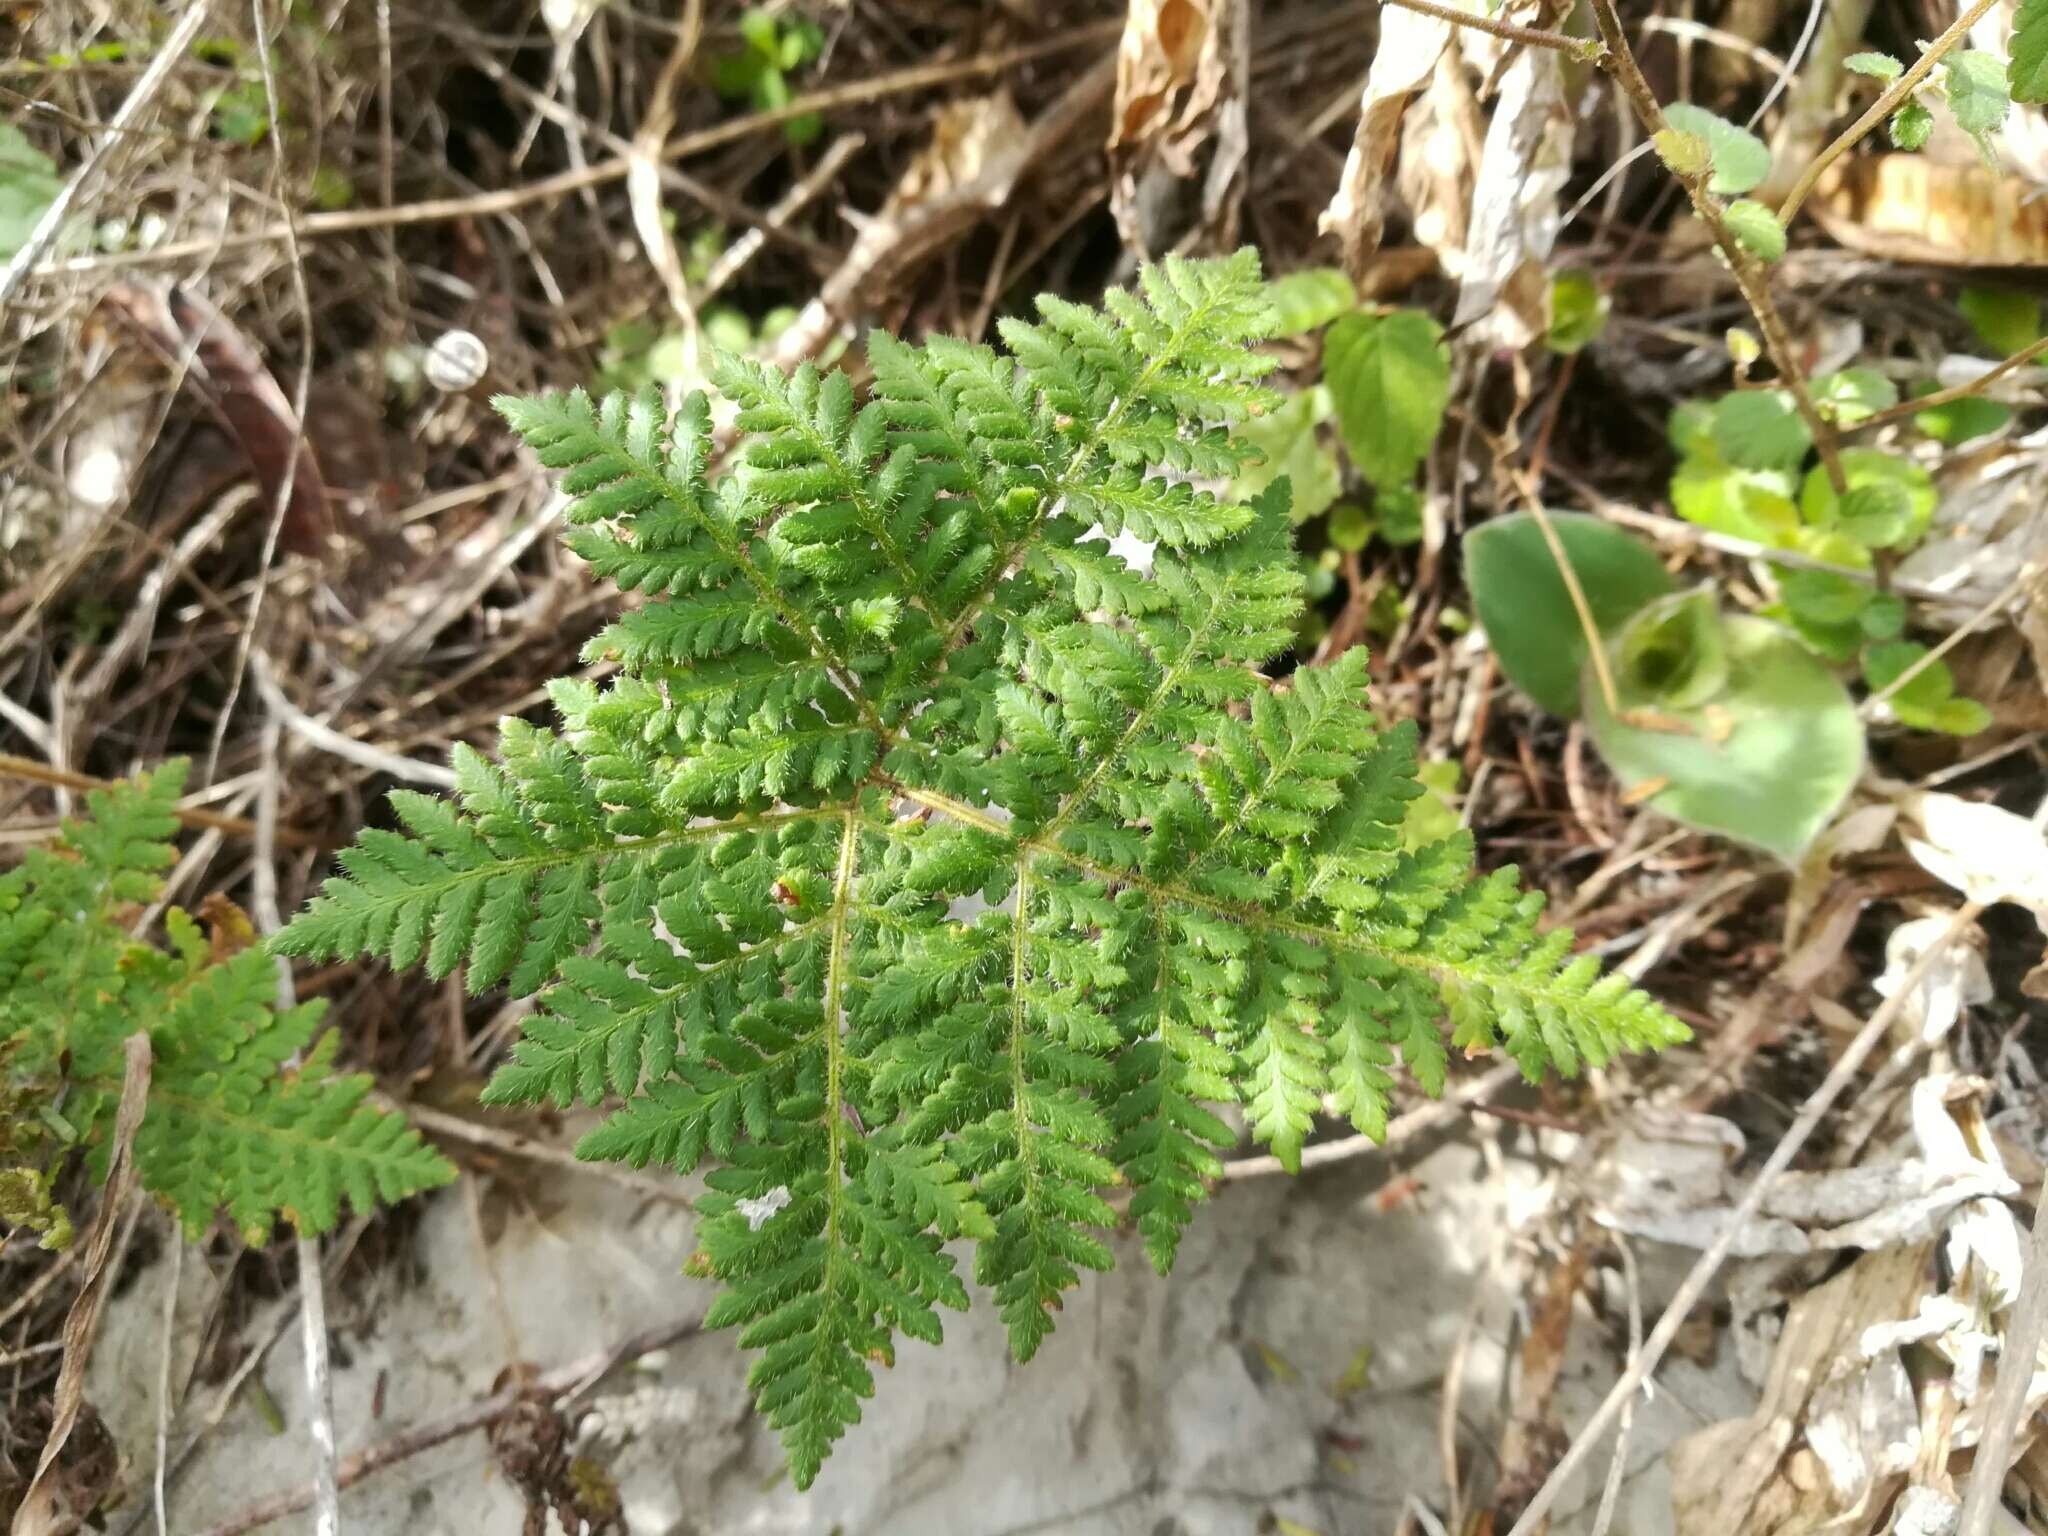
x=887, y=663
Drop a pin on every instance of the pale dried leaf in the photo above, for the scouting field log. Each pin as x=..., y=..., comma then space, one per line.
x=1515, y=211
x=1409, y=46
x=1987, y=853
x=1954, y=980
x=966, y=136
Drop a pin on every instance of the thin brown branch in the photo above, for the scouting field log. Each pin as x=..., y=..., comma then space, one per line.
x=1619, y=61
x=1969, y=391
x=39, y=1513
x=1837, y=1082
x=565, y=1381
x=13, y=767
x=1883, y=108
x=1535, y=37
x=548, y=188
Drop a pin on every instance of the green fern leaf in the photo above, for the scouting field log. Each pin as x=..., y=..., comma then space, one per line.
x=240, y=1117
x=930, y=868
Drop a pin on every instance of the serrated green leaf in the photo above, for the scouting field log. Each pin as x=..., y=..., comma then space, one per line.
x=1757, y=228
x=1974, y=82
x=1927, y=701
x=1761, y=429
x=1853, y=395
x=1739, y=158
x=1898, y=499
x=1911, y=126
x=896, y=651
x=2027, y=73
x=1389, y=378
x=1879, y=66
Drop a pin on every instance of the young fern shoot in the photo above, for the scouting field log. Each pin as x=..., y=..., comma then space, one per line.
x=886, y=664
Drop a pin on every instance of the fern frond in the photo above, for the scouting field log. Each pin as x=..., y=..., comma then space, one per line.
x=928, y=868
x=235, y=1120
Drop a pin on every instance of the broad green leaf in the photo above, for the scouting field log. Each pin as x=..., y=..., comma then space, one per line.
x=1826, y=609
x=1526, y=609
x=2005, y=320
x=1309, y=299
x=1740, y=159
x=1292, y=447
x=1959, y=421
x=1864, y=468
x=2027, y=75
x=29, y=183
x=1854, y=394
x=1928, y=701
x=1759, y=429
x=1390, y=379
x=1974, y=82
x=1578, y=311
x=1911, y=125
x=1767, y=761
x=1757, y=228
x=1753, y=504
x=1879, y=66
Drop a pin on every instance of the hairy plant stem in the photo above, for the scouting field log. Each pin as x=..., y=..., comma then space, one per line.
x=1619, y=61
x=1883, y=107
x=1535, y=37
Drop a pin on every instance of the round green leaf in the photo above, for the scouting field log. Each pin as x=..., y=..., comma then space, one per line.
x=1878, y=514
x=1854, y=394
x=1740, y=159
x=1309, y=299
x=1390, y=378
x=1767, y=761
x=1759, y=429
x=2004, y=319
x=1578, y=311
x=1291, y=446
x=1349, y=527
x=1757, y=228
x=1911, y=125
x=1526, y=610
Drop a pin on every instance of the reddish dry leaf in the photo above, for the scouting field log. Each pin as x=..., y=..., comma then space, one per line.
x=223, y=367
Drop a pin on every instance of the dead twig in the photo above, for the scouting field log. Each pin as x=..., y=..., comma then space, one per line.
x=213, y=821
x=2022, y=1347
x=1401, y=1128
x=568, y=1381
x=170, y=52
x=39, y=1514
x=1709, y=1263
